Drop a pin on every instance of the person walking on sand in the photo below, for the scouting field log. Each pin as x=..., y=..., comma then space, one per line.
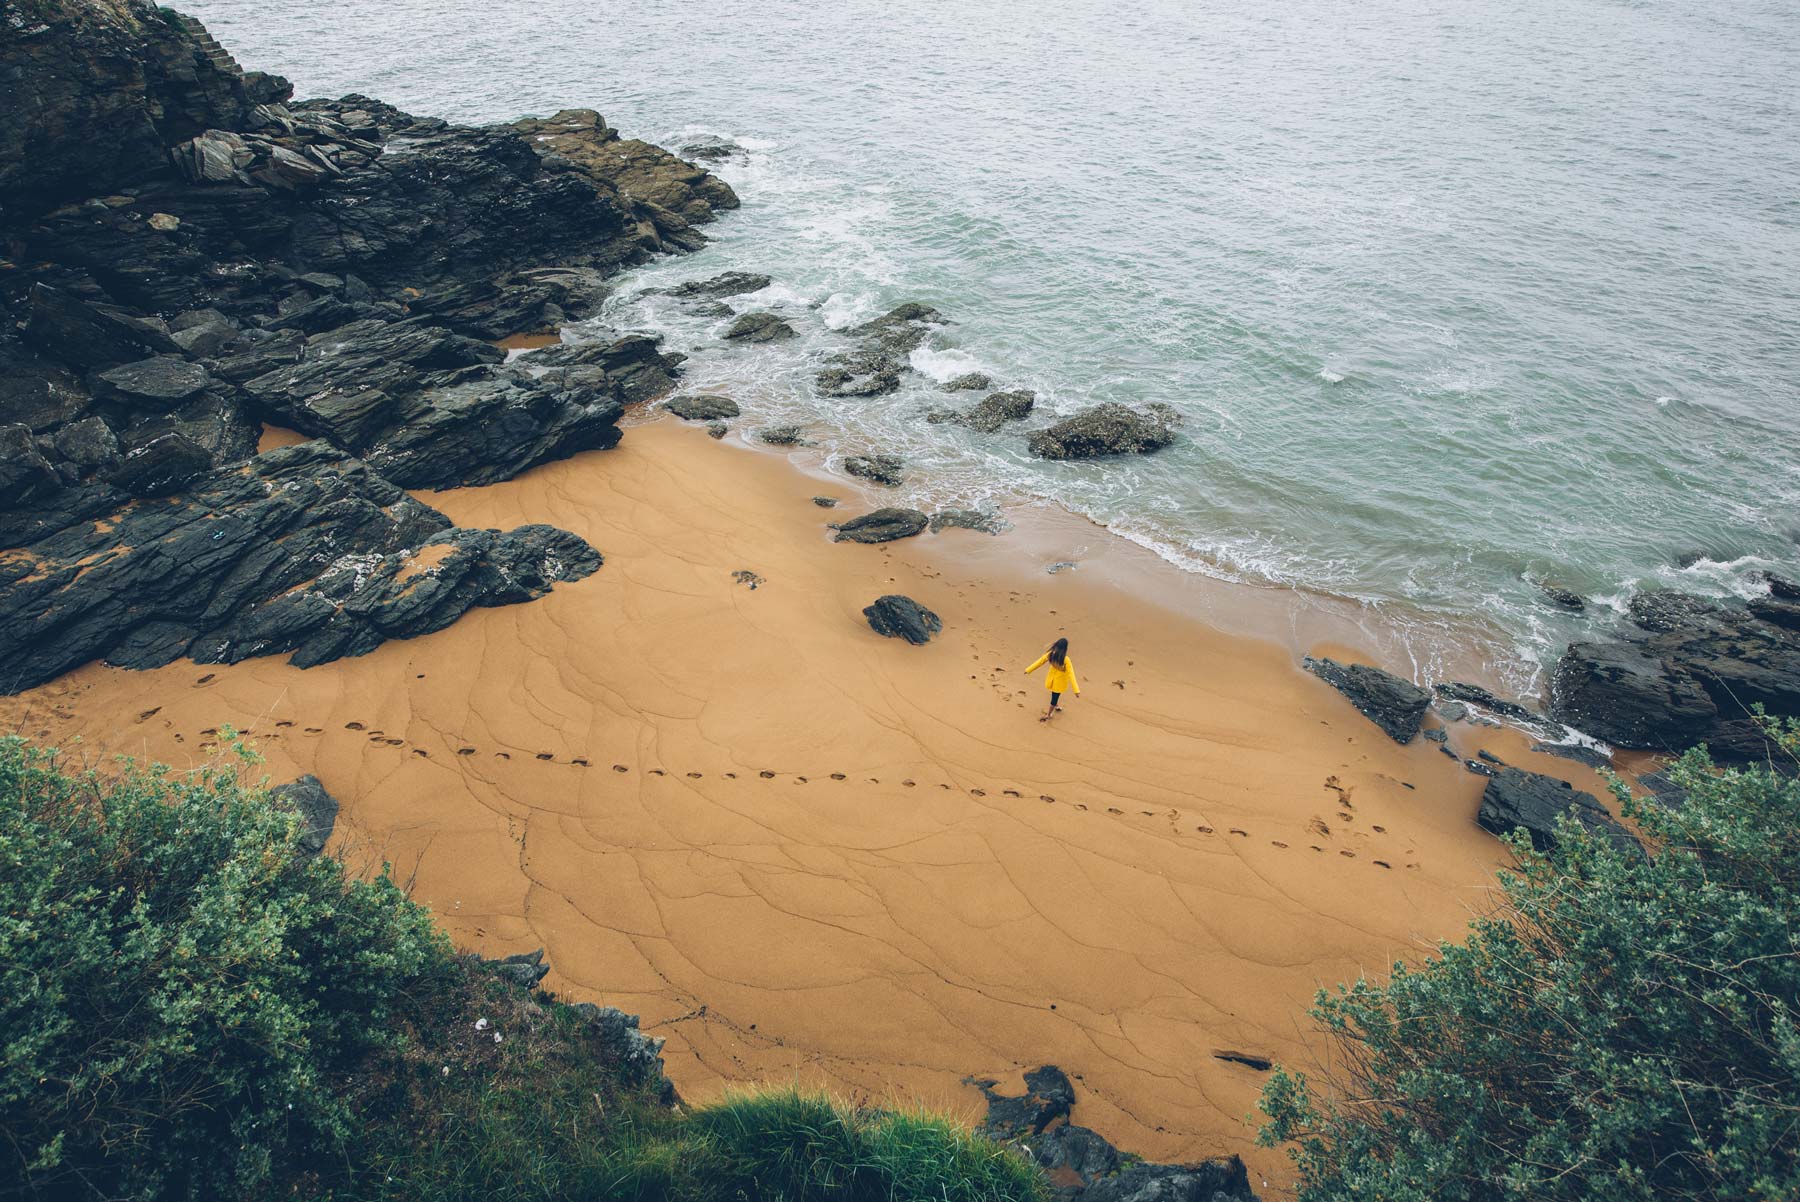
x=1059, y=678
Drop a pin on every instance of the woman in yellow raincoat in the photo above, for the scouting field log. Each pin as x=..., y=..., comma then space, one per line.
x=1060, y=678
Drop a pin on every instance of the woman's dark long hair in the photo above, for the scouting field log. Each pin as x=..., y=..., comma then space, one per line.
x=1059, y=652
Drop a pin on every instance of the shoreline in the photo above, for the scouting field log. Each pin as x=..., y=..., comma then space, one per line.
x=881, y=937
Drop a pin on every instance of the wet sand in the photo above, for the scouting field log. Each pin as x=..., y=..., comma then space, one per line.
x=799, y=850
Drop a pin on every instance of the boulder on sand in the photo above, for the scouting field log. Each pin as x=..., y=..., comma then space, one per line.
x=1396, y=705
x=700, y=408
x=1107, y=429
x=318, y=811
x=897, y=617
x=1516, y=798
x=882, y=526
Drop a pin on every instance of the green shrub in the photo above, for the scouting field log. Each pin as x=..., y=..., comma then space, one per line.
x=178, y=988
x=191, y=1009
x=1624, y=1027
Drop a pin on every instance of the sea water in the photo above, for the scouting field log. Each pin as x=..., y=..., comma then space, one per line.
x=1453, y=297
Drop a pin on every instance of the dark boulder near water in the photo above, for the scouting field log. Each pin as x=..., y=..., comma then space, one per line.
x=897, y=617
x=874, y=366
x=1561, y=597
x=780, y=436
x=1691, y=674
x=993, y=411
x=1106, y=429
x=882, y=469
x=969, y=381
x=702, y=408
x=318, y=811
x=1515, y=798
x=1397, y=706
x=881, y=526
x=731, y=283
x=192, y=255
x=968, y=519
x=759, y=327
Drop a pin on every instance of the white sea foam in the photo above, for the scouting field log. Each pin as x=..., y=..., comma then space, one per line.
x=945, y=364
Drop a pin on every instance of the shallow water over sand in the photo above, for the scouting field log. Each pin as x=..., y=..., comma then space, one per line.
x=1454, y=299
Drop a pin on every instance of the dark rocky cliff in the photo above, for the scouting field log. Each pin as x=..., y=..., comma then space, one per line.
x=186, y=256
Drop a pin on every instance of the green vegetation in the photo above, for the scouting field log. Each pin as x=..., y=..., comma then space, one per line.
x=1623, y=1028
x=190, y=1009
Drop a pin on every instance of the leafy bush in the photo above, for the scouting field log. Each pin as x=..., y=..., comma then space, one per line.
x=178, y=988
x=192, y=1009
x=1624, y=1027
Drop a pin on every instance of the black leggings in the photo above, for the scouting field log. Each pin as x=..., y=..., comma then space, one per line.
x=1054, y=698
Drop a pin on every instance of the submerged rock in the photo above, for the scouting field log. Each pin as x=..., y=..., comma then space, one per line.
x=702, y=408
x=318, y=811
x=996, y=410
x=898, y=617
x=780, y=436
x=1397, y=706
x=1516, y=798
x=971, y=381
x=731, y=283
x=881, y=526
x=1561, y=597
x=1107, y=429
x=759, y=327
x=968, y=519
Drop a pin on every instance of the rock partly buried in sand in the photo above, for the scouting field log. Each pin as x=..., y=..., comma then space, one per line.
x=1395, y=705
x=780, y=436
x=882, y=469
x=716, y=429
x=968, y=519
x=301, y=550
x=882, y=526
x=825, y=502
x=1082, y=1165
x=759, y=327
x=1107, y=429
x=318, y=811
x=1581, y=753
x=969, y=381
x=1516, y=798
x=702, y=408
x=897, y=617
x=731, y=283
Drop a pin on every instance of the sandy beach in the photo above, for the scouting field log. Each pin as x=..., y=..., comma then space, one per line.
x=800, y=850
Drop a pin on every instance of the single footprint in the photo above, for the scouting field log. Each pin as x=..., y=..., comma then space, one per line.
x=1382, y=864
x=1277, y=843
x=1315, y=847
x=546, y=755
x=1205, y=830
x=977, y=792
x=205, y=679
x=1045, y=797
x=657, y=772
x=942, y=785
x=315, y=730
x=620, y=768
x=579, y=763
x=393, y=742
x=1318, y=827
x=502, y=755
x=1343, y=817
x=354, y=726
x=799, y=780
x=1012, y=792
x=1240, y=834
x=838, y=776
x=147, y=713
x=1148, y=813
x=1114, y=810
x=1347, y=854
x=909, y=784
x=420, y=751
x=1080, y=806
x=731, y=776
x=766, y=774
x=691, y=775
x=1380, y=830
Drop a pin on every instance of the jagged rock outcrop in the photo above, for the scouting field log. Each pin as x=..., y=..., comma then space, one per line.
x=1515, y=798
x=1397, y=706
x=898, y=617
x=1081, y=1164
x=303, y=550
x=759, y=327
x=192, y=257
x=702, y=408
x=1690, y=676
x=992, y=411
x=873, y=367
x=1106, y=429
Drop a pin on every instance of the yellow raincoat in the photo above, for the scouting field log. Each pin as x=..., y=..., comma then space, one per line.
x=1058, y=680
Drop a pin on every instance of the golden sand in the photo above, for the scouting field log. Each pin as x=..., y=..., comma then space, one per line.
x=801, y=851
